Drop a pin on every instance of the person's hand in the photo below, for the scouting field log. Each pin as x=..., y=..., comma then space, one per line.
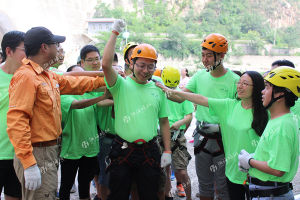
x=244, y=158
x=166, y=159
x=119, y=25
x=175, y=126
x=32, y=177
x=164, y=88
x=242, y=169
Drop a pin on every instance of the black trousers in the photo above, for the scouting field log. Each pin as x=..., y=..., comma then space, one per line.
x=237, y=191
x=139, y=163
x=86, y=167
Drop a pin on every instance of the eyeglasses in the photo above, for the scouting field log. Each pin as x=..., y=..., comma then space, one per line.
x=97, y=59
x=150, y=67
x=21, y=48
x=244, y=84
x=56, y=44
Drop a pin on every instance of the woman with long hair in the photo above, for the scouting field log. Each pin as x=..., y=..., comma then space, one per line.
x=242, y=121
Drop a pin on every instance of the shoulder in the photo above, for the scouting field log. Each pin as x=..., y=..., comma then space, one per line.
x=232, y=75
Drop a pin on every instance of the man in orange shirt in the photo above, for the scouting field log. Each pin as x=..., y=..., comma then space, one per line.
x=34, y=115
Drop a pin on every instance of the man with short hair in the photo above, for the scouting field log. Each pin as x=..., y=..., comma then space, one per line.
x=218, y=82
x=90, y=58
x=34, y=115
x=13, y=53
x=135, y=155
x=284, y=62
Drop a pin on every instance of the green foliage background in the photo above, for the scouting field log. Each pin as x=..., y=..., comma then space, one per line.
x=238, y=20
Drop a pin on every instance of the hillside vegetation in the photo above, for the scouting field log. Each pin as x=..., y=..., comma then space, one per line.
x=176, y=28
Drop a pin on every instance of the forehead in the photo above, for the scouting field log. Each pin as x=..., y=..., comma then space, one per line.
x=246, y=77
x=92, y=54
x=145, y=61
x=207, y=51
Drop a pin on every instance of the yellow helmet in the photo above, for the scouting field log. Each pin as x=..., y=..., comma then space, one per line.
x=127, y=47
x=286, y=77
x=170, y=76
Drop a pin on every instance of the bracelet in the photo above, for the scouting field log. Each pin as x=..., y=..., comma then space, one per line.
x=249, y=162
x=170, y=152
x=115, y=32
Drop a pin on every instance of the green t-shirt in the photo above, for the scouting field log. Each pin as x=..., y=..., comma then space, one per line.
x=7, y=150
x=279, y=147
x=137, y=109
x=53, y=69
x=179, y=110
x=205, y=84
x=79, y=135
x=157, y=78
x=296, y=110
x=237, y=134
x=104, y=117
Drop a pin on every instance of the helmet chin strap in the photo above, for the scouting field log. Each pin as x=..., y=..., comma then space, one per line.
x=273, y=100
x=213, y=67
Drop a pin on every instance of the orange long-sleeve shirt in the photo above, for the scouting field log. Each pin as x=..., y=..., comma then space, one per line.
x=34, y=113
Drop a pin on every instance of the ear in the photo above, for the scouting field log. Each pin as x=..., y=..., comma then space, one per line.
x=8, y=51
x=81, y=62
x=278, y=94
x=222, y=55
x=44, y=47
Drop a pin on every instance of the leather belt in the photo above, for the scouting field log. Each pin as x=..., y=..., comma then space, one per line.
x=45, y=144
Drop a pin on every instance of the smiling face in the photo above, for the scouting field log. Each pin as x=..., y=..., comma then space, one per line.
x=245, y=87
x=144, y=69
x=208, y=58
x=91, y=62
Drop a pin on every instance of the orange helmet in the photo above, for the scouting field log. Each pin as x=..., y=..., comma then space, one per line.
x=157, y=72
x=215, y=42
x=144, y=51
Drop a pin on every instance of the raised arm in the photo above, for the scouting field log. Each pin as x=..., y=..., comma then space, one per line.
x=108, y=54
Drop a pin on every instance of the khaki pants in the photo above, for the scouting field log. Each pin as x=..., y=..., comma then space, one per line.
x=47, y=161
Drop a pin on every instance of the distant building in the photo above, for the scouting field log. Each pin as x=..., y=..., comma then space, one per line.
x=99, y=24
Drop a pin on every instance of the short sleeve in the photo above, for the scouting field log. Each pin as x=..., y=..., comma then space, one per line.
x=192, y=84
x=188, y=107
x=114, y=89
x=219, y=107
x=66, y=102
x=164, y=110
x=280, y=156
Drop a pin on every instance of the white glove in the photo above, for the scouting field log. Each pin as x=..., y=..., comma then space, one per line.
x=32, y=177
x=118, y=25
x=166, y=159
x=242, y=169
x=244, y=158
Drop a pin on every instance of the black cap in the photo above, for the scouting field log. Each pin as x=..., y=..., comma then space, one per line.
x=39, y=35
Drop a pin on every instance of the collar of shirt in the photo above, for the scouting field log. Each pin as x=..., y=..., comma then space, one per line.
x=36, y=67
